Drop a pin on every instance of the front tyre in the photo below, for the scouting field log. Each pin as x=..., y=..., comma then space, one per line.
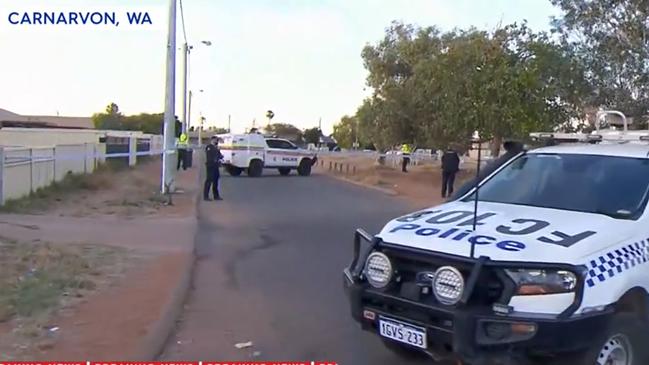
x=233, y=170
x=623, y=343
x=255, y=168
x=304, y=169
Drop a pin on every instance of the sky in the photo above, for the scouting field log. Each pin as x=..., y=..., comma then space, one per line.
x=299, y=58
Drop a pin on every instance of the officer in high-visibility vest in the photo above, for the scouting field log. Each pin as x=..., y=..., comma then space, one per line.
x=181, y=145
x=406, y=150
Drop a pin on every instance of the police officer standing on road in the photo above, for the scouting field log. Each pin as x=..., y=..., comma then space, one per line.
x=405, y=157
x=450, y=167
x=213, y=159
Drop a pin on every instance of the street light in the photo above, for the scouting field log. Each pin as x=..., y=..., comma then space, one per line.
x=186, y=50
x=189, y=108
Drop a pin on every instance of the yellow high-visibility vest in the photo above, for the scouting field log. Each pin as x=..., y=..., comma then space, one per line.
x=405, y=148
x=182, y=140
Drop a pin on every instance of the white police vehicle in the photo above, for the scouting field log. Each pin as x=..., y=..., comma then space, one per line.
x=253, y=152
x=550, y=264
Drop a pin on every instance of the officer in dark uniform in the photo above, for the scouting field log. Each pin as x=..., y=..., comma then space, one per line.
x=213, y=159
x=450, y=167
x=512, y=148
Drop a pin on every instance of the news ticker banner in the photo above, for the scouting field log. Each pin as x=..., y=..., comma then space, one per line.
x=170, y=363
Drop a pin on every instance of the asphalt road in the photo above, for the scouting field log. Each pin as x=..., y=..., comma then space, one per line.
x=269, y=272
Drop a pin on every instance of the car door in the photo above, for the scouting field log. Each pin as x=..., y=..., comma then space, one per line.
x=281, y=153
x=274, y=153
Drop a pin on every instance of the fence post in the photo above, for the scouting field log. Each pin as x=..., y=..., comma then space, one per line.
x=31, y=170
x=2, y=170
x=54, y=163
x=354, y=170
x=347, y=169
x=132, y=150
x=329, y=165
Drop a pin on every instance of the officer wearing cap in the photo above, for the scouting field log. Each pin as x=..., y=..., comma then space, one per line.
x=213, y=159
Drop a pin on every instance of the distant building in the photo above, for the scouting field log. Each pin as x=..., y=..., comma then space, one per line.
x=10, y=119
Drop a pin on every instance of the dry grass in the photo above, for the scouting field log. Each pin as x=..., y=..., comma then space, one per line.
x=38, y=281
x=35, y=277
x=43, y=198
x=114, y=188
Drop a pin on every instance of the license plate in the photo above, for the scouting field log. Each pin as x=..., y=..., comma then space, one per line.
x=403, y=332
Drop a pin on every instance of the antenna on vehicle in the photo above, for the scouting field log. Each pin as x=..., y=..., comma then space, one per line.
x=477, y=189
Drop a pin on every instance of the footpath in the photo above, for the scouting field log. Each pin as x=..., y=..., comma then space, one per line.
x=131, y=316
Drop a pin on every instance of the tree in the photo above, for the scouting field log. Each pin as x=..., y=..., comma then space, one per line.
x=312, y=135
x=284, y=130
x=611, y=39
x=110, y=120
x=345, y=131
x=433, y=88
x=112, y=109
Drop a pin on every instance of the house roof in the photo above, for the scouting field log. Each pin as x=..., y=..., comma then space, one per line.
x=8, y=118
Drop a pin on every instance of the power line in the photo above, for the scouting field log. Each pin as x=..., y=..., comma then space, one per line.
x=182, y=19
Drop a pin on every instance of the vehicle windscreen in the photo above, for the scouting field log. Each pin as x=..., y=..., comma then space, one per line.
x=614, y=186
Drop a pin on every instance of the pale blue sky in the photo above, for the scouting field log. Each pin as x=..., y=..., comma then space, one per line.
x=299, y=58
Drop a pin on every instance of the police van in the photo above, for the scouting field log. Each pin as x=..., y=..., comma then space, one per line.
x=546, y=262
x=253, y=152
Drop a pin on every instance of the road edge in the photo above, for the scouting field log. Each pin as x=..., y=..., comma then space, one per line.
x=363, y=185
x=155, y=340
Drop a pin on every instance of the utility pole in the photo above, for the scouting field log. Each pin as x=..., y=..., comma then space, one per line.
x=189, y=110
x=200, y=132
x=169, y=129
x=229, y=131
x=185, y=120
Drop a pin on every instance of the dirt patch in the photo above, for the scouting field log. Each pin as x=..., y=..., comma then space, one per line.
x=113, y=189
x=421, y=185
x=94, y=301
x=39, y=280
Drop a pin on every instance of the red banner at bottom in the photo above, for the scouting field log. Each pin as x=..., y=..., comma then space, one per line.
x=170, y=363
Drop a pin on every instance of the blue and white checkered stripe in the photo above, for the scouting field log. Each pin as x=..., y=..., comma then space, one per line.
x=615, y=262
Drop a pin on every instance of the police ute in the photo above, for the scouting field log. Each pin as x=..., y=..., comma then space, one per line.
x=545, y=260
x=253, y=152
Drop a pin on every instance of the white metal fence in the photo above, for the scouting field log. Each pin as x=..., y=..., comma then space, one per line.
x=24, y=170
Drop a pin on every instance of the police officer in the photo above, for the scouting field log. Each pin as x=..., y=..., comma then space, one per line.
x=512, y=148
x=213, y=159
x=405, y=156
x=450, y=167
x=181, y=145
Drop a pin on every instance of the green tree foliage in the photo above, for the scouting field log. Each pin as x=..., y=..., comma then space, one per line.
x=284, y=130
x=344, y=131
x=433, y=88
x=611, y=39
x=312, y=135
x=113, y=119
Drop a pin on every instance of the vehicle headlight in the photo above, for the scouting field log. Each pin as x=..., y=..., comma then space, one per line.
x=539, y=282
x=378, y=270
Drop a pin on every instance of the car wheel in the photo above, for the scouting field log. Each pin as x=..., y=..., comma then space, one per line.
x=404, y=352
x=255, y=168
x=623, y=343
x=304, y=169
x=233, y=170
x=284, y=171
